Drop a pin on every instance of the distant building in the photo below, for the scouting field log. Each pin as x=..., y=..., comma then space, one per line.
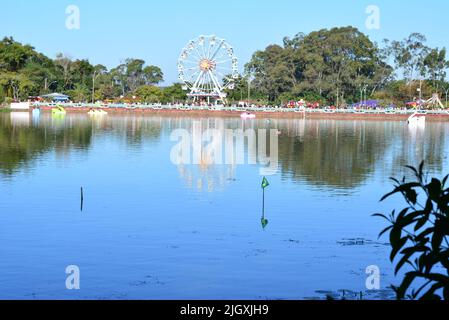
x=56, y=97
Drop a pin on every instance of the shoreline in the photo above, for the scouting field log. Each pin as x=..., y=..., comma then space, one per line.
x=259, y=114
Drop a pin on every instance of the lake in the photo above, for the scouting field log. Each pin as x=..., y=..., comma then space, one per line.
x=152, y=228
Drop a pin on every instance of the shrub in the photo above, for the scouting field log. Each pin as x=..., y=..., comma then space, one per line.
x=419, y=236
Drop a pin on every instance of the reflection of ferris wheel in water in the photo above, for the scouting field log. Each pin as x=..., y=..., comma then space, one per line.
x=207, y=67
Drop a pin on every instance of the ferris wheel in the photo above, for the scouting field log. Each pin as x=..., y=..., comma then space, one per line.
x=207, y=67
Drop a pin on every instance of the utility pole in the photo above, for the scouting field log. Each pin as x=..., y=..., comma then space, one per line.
x=94, y=76
x=361, y=96
x=365, y=89
x=447, y=90
x=249, y=88
x=420, y=89
x=93, y=87
x=338, y=96
x=419, y=99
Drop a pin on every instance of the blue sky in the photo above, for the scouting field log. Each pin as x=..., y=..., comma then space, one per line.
x=156, y=31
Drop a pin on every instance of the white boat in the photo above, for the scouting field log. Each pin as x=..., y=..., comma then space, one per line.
x=416, y=119
x=247, y=115
x=97, y=112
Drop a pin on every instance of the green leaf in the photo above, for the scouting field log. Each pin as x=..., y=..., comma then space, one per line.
x=429, y=206
x=395, y=234
x=416, y=293
x=438, y=278
x=380, y=215
x=405, y=284
x=443, y=257
x=413, y=169
x=401, y=262
x=421, y=222
x=430, y=294
x=411, y=196
x=446, y=293
x=437, y=237
x=403, y=188
x=395, y=180
x=397, y=246
x=421, y=237
x=385, y=230
x=421, y=168
x=444, y=181
x=410, y=218
x=402, y=214
x=434, y=189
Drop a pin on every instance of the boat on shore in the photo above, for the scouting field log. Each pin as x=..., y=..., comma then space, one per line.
x=248, y=112
x=97, y=112
x=417, y=119
x=247, y=115
x=58, y=111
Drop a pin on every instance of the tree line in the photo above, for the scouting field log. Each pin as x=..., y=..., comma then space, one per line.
x=342, y=65
x=24, y=72
x=335, y=66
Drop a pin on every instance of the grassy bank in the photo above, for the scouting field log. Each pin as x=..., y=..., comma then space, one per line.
x=4, y=108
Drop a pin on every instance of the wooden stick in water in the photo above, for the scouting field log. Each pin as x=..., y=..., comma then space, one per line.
x=82, y=198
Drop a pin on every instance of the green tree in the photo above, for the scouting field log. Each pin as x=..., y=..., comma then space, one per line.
x=80, y=93
x=64, y=66
x=13, y=55
x=435, y=65
x=409, y=55
x=149, y=94
x=174, y=93
x=16, y=84
x=153, y=75
x=272, y=69
x=334, y=63
x=132, y=74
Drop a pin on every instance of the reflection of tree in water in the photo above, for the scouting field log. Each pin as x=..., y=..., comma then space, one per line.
x=333, y=154
x=326, y=153
x=21, y=143
x=415, y=144
x=136, y=130
x=142, y=129
x=342, y=154
x=23, y=139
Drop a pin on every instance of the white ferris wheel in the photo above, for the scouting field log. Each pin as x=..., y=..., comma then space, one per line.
x=207, y=67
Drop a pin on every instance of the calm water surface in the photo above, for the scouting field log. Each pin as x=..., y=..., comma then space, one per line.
x=151, y=229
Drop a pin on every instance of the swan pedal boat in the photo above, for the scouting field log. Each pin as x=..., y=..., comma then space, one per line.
x=58, y=111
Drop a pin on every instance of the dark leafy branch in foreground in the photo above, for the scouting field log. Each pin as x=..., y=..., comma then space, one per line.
x=419, y=237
